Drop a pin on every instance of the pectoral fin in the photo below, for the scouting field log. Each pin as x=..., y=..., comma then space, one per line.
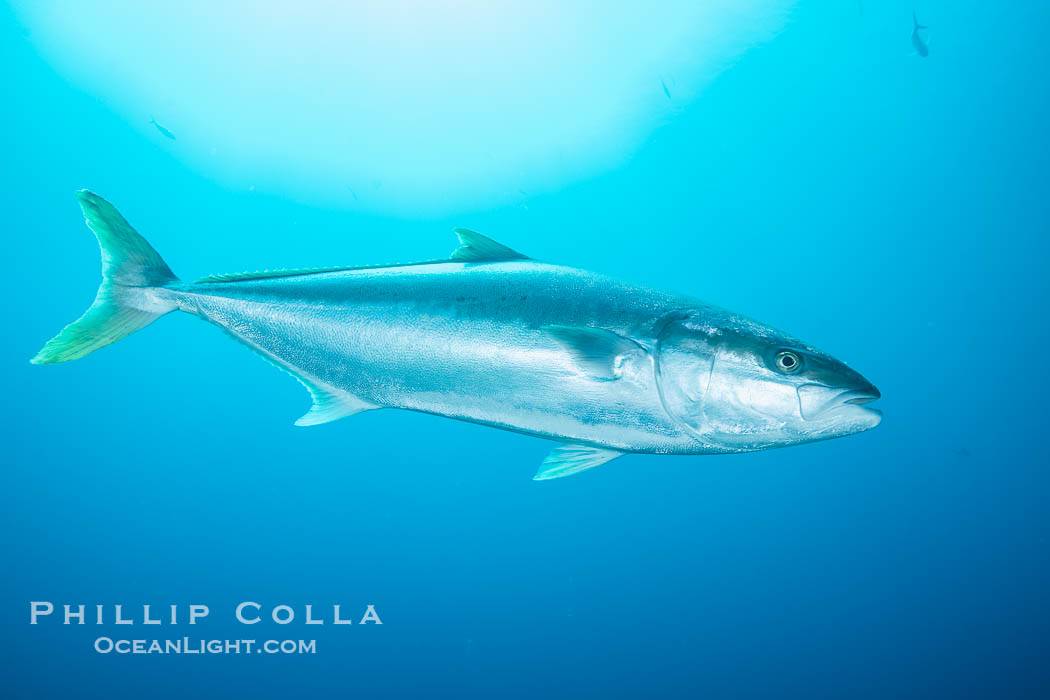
x=569, y=459
x=597, y=352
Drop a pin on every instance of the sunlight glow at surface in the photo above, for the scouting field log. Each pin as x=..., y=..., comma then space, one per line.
x=398, y=106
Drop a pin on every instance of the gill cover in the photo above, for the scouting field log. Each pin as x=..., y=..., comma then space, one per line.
x=714, y=382
x=684, y=361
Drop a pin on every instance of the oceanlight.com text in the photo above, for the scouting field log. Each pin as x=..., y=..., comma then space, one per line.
x=185, y=645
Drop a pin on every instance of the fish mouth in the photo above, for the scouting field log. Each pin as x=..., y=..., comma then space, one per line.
x=857, y=402
x=859, y=398
x=815, y=403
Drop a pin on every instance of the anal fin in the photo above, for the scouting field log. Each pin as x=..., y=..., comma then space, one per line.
x=330, y=405
x=570, y=459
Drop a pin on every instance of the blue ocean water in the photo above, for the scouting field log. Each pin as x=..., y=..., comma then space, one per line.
x=811, y=172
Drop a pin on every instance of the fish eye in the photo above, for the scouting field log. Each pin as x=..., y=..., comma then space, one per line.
x=788, y=362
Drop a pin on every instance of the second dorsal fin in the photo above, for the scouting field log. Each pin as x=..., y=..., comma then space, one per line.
x=478, y=248
x=474, y=248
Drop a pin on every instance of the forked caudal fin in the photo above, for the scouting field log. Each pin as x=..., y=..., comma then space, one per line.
x=123, y=304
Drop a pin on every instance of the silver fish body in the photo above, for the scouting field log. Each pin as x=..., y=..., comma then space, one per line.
x=495, y=338
x=463, y=340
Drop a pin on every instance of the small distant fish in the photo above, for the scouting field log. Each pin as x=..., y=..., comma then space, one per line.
x=666, y=91
x=354, y=194
x=916, y=39
x=961, y=452
x=162, y=129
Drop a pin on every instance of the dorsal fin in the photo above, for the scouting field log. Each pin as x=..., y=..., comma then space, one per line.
x=478, y=248
x=474, y=248
x=269, y=274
